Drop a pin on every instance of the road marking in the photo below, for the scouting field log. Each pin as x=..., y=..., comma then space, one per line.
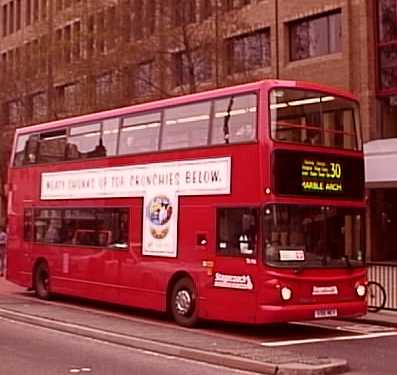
x=361, y=328
x=328, y=339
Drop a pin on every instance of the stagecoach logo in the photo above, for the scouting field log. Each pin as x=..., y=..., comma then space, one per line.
x=233, y=281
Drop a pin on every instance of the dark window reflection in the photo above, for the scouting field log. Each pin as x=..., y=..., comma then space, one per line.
x=104, y=227
x=318, y=236
x=387, y=10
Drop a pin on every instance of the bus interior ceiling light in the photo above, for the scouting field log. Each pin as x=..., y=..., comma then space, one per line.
x=296, y=103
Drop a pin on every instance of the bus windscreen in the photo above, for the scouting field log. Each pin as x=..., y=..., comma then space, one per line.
x=314, y=118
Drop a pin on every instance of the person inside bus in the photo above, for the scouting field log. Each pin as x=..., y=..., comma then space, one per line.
x=72, y=152
x=99, y=151
x=247, y=238
x=31, y=150
x=52, y=234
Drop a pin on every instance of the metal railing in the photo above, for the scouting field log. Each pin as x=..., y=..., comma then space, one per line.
x=385, y=274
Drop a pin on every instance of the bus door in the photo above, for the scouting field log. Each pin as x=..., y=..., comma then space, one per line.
x=132, y=276
x=19, y=243
x=236, y=266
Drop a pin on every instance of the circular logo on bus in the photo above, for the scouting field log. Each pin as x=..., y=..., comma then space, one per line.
x=160, y=210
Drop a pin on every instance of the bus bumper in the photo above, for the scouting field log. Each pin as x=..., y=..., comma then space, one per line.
x=287, y=313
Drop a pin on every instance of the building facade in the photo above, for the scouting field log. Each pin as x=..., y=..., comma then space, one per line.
x=61, y=58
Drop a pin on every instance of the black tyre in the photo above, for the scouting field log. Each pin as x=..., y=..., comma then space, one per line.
x=184, y=303
x=42, y=281
x=376, y=296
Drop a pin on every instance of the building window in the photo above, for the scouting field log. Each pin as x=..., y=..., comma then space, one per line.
x=39, y=106
x=67, y=34
x=247, y=52
x=59, y=5
x=35, y=56
x=90, y=36
x=150, y=16
x=14, y=112
x=28, y=18
x=144, y=79
x=387, y=25
x=192, y=67
x=141, y=20
x=103, y=89
x=19, y=15
x=111, y=24
x=68, y=97
x=184, y=12
x=35, y=10
x=100, y=32
x=136, y=18
x=5, y=19
x=234, y=4
x=43, y=53
x=43, y=9
x=12, y=19
x=316, y=36
x=76, y=41
x=387, y=10
x=206, y=9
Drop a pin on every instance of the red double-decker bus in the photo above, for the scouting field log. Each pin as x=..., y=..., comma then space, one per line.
x=241, y=204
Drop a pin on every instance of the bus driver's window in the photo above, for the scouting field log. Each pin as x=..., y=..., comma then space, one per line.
x=237, y=231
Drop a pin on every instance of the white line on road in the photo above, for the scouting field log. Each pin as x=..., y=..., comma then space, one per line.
x=341, y=338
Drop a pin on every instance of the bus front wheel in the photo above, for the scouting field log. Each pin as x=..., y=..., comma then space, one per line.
x=184, y=303
x=42, y=281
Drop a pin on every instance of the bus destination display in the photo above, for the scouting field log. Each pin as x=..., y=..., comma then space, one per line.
x=302, y=173
x=321, y=176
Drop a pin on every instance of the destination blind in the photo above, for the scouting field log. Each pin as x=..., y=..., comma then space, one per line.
x=320, y=175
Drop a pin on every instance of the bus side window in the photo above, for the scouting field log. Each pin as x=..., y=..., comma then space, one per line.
x=234, y=120
x=28, y=224
x=52, y=146
x=237, y=231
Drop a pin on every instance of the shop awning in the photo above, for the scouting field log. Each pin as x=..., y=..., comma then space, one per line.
x=381, y=163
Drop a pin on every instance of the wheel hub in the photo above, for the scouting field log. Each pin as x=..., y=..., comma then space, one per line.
x=183, y=302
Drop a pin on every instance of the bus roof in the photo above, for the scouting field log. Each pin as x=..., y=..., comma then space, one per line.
x=153, y=105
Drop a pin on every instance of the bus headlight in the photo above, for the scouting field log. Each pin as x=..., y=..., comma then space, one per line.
x=361, y=290
x=286, y=293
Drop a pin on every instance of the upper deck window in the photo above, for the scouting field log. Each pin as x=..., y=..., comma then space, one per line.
x=226, y=120
x=140, y=133
x=186, y=126
x=301, y=116
x=234, y=119
x=52, y=146
x=84, y=142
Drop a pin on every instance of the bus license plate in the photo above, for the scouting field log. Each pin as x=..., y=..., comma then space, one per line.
x=326, y=313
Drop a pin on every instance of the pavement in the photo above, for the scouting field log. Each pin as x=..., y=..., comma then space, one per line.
x=162, y=337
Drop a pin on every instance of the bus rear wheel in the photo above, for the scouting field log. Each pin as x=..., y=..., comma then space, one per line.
x=42, y=281
x=184, y=303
